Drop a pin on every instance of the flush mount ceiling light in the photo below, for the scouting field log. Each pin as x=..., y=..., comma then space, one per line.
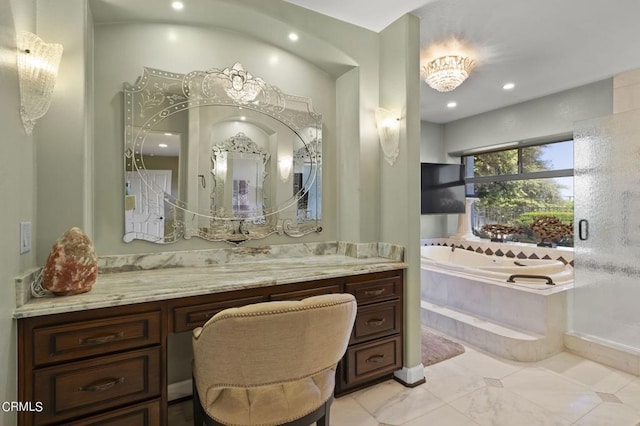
x=37, y=73
x=446, y=73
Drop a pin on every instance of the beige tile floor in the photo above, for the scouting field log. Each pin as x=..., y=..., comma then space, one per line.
x=476, y=388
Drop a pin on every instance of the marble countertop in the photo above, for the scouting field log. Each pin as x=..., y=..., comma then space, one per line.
x=176, y=281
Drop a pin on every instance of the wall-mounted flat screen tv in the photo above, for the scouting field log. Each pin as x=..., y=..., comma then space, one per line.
x=443, y=189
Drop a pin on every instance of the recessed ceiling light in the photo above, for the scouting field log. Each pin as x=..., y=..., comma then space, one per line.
x=163, y=145
x=293, y=37
x=452, y=105
x=177, y=5
x=508, y=86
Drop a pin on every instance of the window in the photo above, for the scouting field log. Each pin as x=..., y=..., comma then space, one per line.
x=515, y=187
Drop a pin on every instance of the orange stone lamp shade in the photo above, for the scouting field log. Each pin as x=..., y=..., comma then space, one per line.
x=72, y=265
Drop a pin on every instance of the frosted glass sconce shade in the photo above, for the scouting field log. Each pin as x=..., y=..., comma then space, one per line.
x=37, y=72
x=285, y=164
x=447, y=72
x=388, y=125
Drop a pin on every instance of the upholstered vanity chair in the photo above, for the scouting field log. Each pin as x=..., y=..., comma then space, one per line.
x=271, y=363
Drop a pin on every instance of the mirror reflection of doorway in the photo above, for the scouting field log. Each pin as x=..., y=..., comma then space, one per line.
x=240, y=196
x=144, y=203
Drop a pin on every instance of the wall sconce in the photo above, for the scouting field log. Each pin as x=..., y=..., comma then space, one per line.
x=285, y=164
x=37, y=72
x=388, y=125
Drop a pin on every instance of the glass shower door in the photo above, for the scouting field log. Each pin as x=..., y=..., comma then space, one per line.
x=606, y=296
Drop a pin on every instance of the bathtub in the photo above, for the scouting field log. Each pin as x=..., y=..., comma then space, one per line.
x=468, y=295
x=532, y=273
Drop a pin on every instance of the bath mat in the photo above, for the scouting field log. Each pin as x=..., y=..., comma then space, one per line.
x=436, y=348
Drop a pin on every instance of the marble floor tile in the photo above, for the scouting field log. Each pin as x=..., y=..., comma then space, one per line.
x=610, y=414
x=346, y=411
x=485, y=365
x=450, y=380
x=630, y=394
x=499, y=407
x=445, y=415
x=597, y=377
x=393, y=407
x=465, y=391
x=609, y=397
x=557, y=394
x=493, y=382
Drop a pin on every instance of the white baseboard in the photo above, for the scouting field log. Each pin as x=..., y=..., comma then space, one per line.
x=179, y=390
x=411, y=375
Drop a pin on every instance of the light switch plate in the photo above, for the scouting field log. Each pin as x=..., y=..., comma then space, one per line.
x=25, y=237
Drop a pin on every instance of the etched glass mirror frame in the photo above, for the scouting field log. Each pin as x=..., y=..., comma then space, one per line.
x=249, y=190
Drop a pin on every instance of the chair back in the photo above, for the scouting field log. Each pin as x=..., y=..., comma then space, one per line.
x=273, y=342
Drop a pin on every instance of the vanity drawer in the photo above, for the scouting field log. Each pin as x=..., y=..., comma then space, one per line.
x=145, y=414
x=82, y=339
x=84, y=387
x=302, y=294
x=377, y=320
x=383, y=287
x=373, y=360
x=189, y=317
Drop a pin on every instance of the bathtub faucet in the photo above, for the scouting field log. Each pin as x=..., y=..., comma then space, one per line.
x=453, y=247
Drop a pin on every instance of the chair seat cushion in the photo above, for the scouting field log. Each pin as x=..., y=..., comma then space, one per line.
x=271, y=404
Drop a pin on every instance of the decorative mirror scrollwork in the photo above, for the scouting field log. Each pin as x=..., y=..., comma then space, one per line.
x=220, y=155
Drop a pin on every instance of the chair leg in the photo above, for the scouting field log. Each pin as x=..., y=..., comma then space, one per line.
x=324, y=420
x=198, y=411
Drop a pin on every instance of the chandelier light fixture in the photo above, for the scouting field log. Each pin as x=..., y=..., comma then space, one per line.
x=447, y=72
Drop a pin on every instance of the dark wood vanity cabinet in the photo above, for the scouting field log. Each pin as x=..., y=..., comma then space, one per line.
x=103, y=363
x=375, y=348
x=108, y=366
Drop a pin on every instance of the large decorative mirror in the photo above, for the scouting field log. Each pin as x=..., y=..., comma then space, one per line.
x=221, y=155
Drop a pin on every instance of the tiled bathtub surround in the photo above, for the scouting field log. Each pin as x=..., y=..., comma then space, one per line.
x=488, y=334
x=513, y=250
x=514, y=322
x=126, y=279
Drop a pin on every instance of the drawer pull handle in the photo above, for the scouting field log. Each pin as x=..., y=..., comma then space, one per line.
x=374, y=292
x=201, y=316
x=375, y=359
x=376, y=322
x=101, y=386
x=101, y=339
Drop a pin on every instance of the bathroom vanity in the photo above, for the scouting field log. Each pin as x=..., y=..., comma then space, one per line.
x=102, y=356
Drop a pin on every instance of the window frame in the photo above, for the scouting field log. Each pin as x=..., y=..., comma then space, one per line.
x=521, y=175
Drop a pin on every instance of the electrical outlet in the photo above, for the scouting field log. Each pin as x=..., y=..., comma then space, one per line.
x=25, y=237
